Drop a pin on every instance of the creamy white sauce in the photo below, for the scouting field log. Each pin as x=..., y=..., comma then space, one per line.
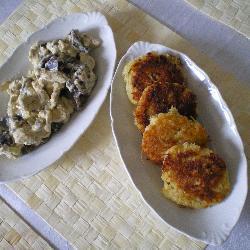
x=58, y=85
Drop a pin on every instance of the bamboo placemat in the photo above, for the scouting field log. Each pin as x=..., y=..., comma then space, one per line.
x=87, y=196
x=235, y=13
x=16, y=234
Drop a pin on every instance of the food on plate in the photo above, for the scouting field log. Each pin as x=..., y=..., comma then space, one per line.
x=41, y=102
x=148, y=69
x=159, y=98
x=7, y=145
x=193, y=176
x=168, y=129
x=68, y=58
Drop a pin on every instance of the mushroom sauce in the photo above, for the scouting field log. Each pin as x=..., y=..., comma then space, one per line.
x=41, y=102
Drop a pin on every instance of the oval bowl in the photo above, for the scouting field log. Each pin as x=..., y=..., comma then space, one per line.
x=18, y=64
x=211, y=225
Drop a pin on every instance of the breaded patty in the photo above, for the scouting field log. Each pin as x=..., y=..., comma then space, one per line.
x=194, y=177
x=148, y=69
x=168, y=129
x=159, y=98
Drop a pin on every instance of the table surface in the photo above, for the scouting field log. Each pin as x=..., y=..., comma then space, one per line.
x=240, y=237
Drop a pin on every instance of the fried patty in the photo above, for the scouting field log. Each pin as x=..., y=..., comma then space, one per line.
x=168, y=129
x=159, y=98
x=148, y=69
x=194, y=177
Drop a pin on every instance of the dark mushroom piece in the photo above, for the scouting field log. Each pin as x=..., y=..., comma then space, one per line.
x=56, y=126
x=52, y=64
x=27, y=148
x=75, y=40
x=5, y=137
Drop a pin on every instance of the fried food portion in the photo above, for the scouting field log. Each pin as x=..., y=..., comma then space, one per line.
x=148, y=69
x=168, y=129
x=194, y=177
x=159, y=98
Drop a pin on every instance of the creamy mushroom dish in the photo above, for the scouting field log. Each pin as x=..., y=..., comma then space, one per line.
x=41, y=102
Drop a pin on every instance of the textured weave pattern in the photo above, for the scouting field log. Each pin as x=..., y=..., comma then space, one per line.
x=16, y=234
x=87, y=195
x=235, y=13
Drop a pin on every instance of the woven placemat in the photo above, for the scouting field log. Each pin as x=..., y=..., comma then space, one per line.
x=16, y=234
x=87, y=196
x=235, y=13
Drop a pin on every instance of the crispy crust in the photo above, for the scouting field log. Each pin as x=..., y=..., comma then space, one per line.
x=148, y=69
x=168, y=129
x=159, y=98
x=194, y=176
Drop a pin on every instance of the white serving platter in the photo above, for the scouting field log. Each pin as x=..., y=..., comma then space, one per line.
x=211, y=225
x=95, y=24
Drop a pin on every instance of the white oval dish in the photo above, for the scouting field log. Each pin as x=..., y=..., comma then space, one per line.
x=94, y=23
x=211, y=225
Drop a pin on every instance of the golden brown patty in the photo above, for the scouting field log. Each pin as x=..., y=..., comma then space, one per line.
x=148, y=69
x=194, y=177
x=159, y=98
x=168, y=129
